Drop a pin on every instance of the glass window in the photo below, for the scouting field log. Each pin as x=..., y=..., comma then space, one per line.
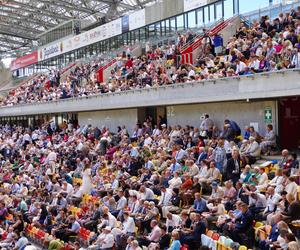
x=191, y=20
x=212, y=13
x=137, y=35
x=180, y=22
x=228, y=8
x=151, y=31
x=200, y=18
x=163, y=27
x=173, y=25
x=206, y=15
x=142, y=34
x=158, y=29
x=235, y=6
x=219, y=11
x=247, y=6
x=125, y=38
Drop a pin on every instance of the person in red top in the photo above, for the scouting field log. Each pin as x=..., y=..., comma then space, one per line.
x=129, y=62
x=185, y=186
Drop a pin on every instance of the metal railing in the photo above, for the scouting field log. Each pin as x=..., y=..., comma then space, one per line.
x=270, y=11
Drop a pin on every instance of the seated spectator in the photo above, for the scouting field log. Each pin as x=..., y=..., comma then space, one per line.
x=242, y=231
x=269, y=140
x=199, y=204
x=105, y=240
x=252, y=152
x=192, y=237
x=154, y=235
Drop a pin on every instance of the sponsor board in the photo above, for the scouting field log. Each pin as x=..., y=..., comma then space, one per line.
x=50, y=51
x=24, y=61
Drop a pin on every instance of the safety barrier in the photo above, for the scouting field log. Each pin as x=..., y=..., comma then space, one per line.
x=257, y=86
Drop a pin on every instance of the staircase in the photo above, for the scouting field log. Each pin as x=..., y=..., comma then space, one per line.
x=190, y=51
x=13, y=84
x=65, y=72
x=103, y=72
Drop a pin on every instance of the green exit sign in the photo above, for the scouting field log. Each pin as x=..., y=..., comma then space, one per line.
x=268, y=115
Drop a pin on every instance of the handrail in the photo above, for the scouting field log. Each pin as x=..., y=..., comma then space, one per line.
x=202, y=82
x=274, y=8
x=199, y=36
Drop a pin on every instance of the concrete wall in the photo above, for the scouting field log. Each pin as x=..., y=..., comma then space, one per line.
x=109, y=118
x=259, y=86
x=163, y=10
x=242, y=112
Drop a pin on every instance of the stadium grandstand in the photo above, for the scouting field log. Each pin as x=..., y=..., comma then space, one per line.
x=149, y=125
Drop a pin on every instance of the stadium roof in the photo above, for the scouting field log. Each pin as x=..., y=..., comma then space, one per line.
x=21, y=21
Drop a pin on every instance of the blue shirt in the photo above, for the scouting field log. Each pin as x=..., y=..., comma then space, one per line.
x=247, y=135
x=274, y=233
x=218, y=41
x=134, y=153
x=175, y=245
x=174, y=167
x=75, y=227
x=200, y=206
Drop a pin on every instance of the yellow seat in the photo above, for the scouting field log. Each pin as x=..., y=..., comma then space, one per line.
x=221, y=246
x=243, y=248
x=258, y=224
x=298, y=191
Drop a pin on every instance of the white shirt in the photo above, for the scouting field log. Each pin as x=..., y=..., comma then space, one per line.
x=148, y=141
x=263, y=179
x=240, y=67
x=202, y=171
x=26, y=137
x=291, y=188
x=174, y=222
x=261, y=200
x=70, y=189
x=128, y=225
x=254, y=64
x=175, y=183
x=51, y=157
x=277, y=182
x=112, y=221
x=206, y=124
x=121, y=203
x=134, y=207
x=156, y=131
x=147, y=195
x=148, y=164
x=271, y=202
x=180, y=154
x=191, y=73
x=106, y=240
x=165, y=198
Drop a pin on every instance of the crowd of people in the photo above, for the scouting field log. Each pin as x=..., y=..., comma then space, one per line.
x=266, y=46
x=159, y=187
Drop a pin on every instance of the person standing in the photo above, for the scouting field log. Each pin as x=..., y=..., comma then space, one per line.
x=86, y=187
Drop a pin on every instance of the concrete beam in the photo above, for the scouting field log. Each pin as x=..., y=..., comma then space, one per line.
x=259, y=86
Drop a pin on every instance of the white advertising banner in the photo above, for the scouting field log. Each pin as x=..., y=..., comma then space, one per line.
x=193, y=4
x=49, y=51
x=137, y=19
x=92, y=36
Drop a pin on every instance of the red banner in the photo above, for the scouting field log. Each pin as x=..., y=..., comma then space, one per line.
x=24, y=61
